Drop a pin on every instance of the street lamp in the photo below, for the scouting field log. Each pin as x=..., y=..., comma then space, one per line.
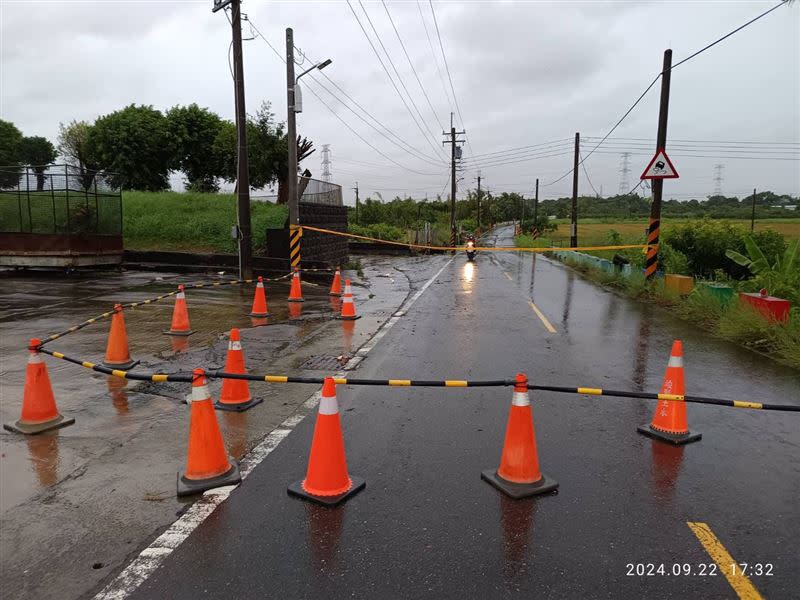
x=298, y=92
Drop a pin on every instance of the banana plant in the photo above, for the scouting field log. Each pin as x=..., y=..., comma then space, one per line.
x=759, y=264
x=781, y=277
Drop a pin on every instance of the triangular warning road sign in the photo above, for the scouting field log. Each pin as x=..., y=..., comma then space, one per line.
x=660, y=167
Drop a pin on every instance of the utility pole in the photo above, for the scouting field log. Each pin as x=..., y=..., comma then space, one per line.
x=479, y=199
x=536, y=205
x=653, y=231
x=291, y=132
x=573, y=239
x=356, y=189
x=452, y=141
x=244, y=236
x=753, y=214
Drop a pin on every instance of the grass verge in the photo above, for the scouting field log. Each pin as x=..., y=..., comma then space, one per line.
x=185, y=221
x=732, y=321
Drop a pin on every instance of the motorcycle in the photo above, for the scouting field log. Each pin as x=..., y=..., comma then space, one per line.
x=471, y=251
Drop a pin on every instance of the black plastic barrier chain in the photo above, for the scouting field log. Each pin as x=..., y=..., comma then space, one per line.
x=218, y=374
x=187, y=286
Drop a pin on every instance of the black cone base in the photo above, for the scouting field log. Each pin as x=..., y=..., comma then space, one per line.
x=296, y=300
x=238, y=407
x=34, y=428
x=296, y=489
x=519, y=490
x=187, y=487
x=122, y=367
x=179, y=333
x=341, y=318
x=670, y=438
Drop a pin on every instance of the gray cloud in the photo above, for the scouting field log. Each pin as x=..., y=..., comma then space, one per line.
x=524, y=73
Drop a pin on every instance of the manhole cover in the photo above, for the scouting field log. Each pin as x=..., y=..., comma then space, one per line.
x=324, y=362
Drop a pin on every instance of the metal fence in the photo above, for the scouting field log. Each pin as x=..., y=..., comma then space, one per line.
x=316, y=192
x=320, y=192
x=59, y=199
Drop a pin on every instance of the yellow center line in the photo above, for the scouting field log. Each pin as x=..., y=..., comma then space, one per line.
x=738, y=580
x=542, y=318
x=509, y=276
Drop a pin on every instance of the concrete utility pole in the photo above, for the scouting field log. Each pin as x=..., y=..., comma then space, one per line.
x=753, y=214
x=653, y=231
x=536, y=204
x=479, y=199
x=242, y=169
x=291, y=132
x=356, y=190
x=573, y=239
x=452, y=141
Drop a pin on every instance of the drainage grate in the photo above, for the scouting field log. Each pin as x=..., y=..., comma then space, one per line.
x=324, y=362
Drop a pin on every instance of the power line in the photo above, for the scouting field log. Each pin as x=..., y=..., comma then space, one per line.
x=659, y=76
x=449, y=76
x=504, y=162
x=436, y=149
x=333, y=112
x=727, y=35
x=617, y=124
x=585, y=172
x=433, y=54
x=518, y=154
x=411, y=64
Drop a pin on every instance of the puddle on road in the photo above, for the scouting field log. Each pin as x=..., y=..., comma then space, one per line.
x=110, y=410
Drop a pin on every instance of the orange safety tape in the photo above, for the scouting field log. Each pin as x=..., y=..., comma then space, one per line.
x=481, y=248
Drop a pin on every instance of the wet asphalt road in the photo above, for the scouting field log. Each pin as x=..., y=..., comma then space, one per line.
x=427, y=526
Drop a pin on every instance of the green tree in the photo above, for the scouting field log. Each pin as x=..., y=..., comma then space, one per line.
x=10, y=141
x=73, y=146
x=135, y=145
x=37, y=152
x=194, y=131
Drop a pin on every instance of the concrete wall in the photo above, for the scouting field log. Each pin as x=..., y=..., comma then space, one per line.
x=323, y=247
x=315, y=247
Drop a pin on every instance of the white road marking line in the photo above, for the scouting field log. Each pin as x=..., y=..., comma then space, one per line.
x=542, y=318
x=151, y=557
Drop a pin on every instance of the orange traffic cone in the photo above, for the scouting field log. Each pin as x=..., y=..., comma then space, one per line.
x=336, y=286
x=669, y=421
x=180, y=316
x=295, y=295
x=327, y=481
x=207, y=462
x=348, y=307
x=235, y=394
x=39, y=411
x=259, y=308
x=117, y=354
x=518, y=475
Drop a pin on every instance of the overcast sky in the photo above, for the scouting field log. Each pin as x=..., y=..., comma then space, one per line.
x=524, y=73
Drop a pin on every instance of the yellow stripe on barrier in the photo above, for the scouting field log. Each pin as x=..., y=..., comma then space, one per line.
x=276, y=378
x=455, y=383
x=159, y=377
x=742, y=404
x=73, y=328
x=674, y=397
x=58, y=355
x=86, y=363
x=590, y=391
x=399, y=382
x=118, y=373
x=91, y=320
x=340, y=381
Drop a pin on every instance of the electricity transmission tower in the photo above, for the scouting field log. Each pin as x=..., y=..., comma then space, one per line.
x=326, y=162
x=624, y=172
x=719, y=176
